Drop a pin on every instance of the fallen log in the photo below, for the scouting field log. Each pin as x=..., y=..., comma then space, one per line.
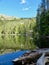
x=31, y=57
x=28, y=58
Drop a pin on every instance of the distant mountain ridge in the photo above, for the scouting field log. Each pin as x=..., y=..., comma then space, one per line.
x=6, y=17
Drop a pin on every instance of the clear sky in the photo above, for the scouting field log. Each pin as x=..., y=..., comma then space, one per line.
x=19, y=8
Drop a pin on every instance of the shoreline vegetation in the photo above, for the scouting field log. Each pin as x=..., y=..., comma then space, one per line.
x=16, y=33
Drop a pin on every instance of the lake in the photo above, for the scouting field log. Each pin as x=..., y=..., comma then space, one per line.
x=16, y=41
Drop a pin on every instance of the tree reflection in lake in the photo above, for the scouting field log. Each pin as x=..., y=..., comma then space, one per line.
x=21, y=41
x=17, y=34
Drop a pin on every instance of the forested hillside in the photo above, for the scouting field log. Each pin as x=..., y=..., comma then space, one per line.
x=16, y=33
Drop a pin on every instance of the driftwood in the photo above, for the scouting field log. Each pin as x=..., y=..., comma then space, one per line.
x=29, y=58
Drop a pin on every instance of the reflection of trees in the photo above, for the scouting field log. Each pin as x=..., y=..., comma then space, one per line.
x=19, y=34
x=3, y=32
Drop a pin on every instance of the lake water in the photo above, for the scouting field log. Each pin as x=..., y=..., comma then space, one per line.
x=16, y=41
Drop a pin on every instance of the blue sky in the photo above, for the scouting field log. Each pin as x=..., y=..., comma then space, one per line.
x=19, y=8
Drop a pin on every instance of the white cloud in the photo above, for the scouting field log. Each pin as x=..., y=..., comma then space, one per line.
x=23, y=1
x=26, y=9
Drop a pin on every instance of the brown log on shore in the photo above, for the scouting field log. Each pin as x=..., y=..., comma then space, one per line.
x=31, y=58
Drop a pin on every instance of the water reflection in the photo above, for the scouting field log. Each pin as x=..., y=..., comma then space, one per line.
x=16, y=41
